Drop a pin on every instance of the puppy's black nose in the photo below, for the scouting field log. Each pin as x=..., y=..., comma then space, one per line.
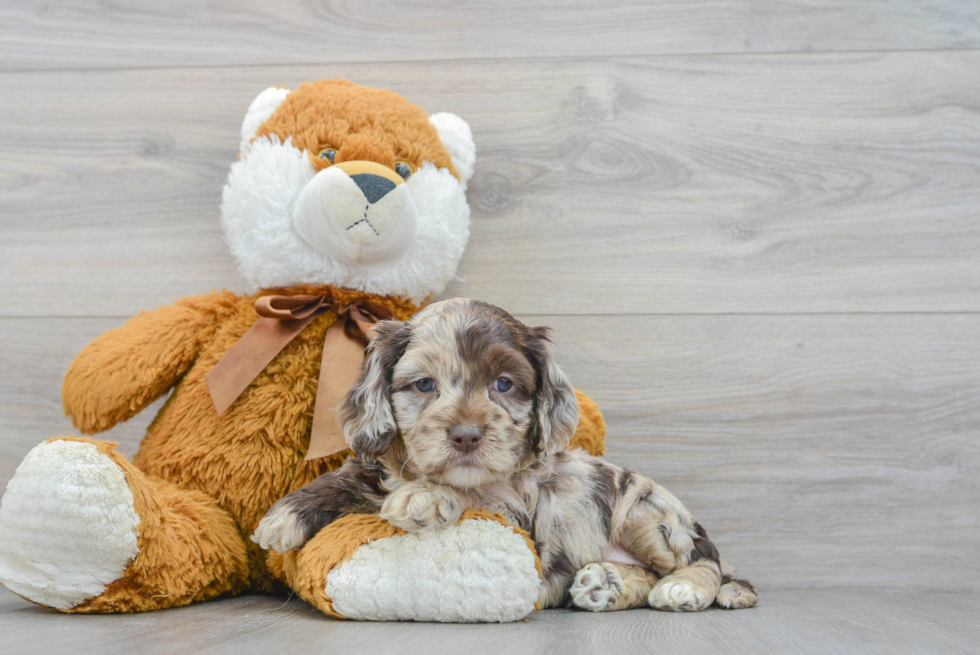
x=374, y=187
x=465, y=438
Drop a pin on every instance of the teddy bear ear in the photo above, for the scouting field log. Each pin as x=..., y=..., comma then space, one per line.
x=457, y=139
x=259, y=112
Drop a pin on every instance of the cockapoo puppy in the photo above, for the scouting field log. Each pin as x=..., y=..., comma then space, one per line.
x=464, y=407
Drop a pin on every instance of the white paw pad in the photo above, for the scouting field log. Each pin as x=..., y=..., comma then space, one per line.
x=596, y=587
x=678, y=596
x=67, y=525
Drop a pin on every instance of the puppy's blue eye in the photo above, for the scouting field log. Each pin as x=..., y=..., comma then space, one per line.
x=502, y=385
x=425, y=385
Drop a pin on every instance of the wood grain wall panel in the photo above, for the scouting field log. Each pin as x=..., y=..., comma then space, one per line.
x=75, y=34
x=34, y=355
x=818, y=451
x=719, y=184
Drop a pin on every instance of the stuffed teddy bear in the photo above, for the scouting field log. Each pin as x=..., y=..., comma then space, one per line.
x=347, y=206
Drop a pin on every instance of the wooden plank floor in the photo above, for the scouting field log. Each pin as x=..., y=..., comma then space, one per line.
x=827, y=621
x=755, y=227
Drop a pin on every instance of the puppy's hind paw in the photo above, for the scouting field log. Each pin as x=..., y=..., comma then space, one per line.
x=736, y=595
x=596, y=587
x=678, y=596
x=280, y=529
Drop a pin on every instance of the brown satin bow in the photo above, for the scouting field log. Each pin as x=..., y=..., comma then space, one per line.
x=281, y=319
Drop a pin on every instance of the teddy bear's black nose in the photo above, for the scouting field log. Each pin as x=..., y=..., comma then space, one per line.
x=374, y=187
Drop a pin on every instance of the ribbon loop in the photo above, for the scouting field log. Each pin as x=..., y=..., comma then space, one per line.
x=281, y=319
x=286, y=308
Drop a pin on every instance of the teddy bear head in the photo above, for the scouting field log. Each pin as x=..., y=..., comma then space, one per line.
x=350, y=186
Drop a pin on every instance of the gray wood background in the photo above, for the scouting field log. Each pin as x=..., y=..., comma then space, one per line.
x=754, y=225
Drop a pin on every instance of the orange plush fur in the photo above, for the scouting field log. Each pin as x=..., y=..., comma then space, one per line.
x=362, y=124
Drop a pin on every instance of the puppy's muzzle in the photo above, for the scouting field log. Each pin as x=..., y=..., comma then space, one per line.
x=465, y=438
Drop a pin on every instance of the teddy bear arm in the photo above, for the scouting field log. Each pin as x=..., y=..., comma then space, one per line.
x=124, y=370
x=480, y=570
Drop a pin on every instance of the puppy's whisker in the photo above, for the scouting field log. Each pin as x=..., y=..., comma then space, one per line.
x=404, y=464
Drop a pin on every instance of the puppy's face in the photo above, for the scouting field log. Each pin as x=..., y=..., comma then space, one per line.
x=463, y=394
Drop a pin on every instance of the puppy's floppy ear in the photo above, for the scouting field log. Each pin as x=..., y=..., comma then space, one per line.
x=366, y=414
x=555, y=407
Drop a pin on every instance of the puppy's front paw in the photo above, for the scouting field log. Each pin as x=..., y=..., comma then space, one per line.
x=679, y=595
x=420, y=507
x=280, y=529
x=596, y=587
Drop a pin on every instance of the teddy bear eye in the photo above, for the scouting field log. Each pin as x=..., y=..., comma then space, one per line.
x=425, y=385
x=403, y=169
x=502, y=385
x=328, y=154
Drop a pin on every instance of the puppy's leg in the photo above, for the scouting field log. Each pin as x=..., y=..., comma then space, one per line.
x=353, y=488
x=606, y=587
x=657, y=529
x=422, y=506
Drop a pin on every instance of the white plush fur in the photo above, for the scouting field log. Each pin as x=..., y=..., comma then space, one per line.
x=264, y=105
x=68, y=525
x=478, y=571
x=333, y=215
x=457, y=139
x=257, y=212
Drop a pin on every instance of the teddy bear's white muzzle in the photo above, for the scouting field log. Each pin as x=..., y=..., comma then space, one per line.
x=358, y=213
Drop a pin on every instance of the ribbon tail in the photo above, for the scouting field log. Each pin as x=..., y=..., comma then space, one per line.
x=339, y=367
x=368, y=319
x=248, y=357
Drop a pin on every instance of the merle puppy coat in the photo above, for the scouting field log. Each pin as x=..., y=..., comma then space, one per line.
x=463, y=406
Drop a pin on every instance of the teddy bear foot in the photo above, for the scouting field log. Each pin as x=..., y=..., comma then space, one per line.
x=83, y=530
x=361, y=567
x=68, y=526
